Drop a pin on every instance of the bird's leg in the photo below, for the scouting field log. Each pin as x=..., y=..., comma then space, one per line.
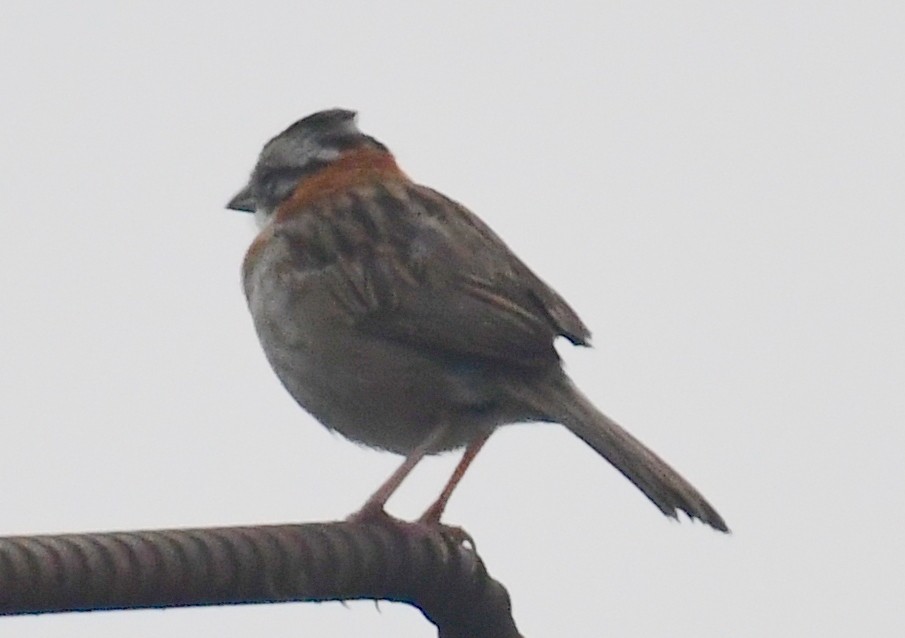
x=373, y=510
x=433, y=513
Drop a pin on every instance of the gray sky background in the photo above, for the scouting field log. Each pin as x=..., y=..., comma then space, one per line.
x=716, y=187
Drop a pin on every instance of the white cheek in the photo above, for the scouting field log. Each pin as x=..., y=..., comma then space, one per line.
x=262, y=217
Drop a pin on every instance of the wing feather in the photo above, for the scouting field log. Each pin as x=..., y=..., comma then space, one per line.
x=410, y=265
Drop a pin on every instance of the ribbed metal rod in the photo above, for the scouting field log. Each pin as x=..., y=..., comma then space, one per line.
x=427, y=567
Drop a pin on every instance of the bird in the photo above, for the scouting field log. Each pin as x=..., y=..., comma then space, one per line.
x=399, y=319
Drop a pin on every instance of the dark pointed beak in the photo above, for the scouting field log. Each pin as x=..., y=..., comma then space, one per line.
x=243, y=201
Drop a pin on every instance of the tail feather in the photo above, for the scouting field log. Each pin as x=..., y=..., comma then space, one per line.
x=665, y=487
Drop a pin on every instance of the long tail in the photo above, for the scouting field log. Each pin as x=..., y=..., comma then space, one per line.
x=665, y=487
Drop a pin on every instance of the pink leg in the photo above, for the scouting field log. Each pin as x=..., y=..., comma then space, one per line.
x=373, y=507
x=435, y=511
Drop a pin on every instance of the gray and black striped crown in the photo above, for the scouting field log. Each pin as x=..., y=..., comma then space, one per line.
x=307, y=146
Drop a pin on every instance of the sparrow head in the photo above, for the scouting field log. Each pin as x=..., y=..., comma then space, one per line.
x=304, y=148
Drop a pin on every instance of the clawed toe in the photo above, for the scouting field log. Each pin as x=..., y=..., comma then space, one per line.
x=374, y=515
x=428, y=522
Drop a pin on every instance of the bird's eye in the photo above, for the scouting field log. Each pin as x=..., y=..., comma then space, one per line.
x=276, y=186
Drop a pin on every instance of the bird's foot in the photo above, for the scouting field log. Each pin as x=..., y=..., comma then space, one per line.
x=374, y=514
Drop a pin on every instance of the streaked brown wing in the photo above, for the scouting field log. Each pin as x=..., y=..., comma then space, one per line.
x=410, y=265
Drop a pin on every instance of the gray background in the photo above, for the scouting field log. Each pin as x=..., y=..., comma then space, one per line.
x=716, y=187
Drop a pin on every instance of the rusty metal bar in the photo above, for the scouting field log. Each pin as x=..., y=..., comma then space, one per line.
x=428, y=567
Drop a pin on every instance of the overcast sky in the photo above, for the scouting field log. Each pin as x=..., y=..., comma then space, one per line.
x=716, y=187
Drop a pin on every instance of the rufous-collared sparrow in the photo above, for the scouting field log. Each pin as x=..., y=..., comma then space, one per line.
x=399, y=319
